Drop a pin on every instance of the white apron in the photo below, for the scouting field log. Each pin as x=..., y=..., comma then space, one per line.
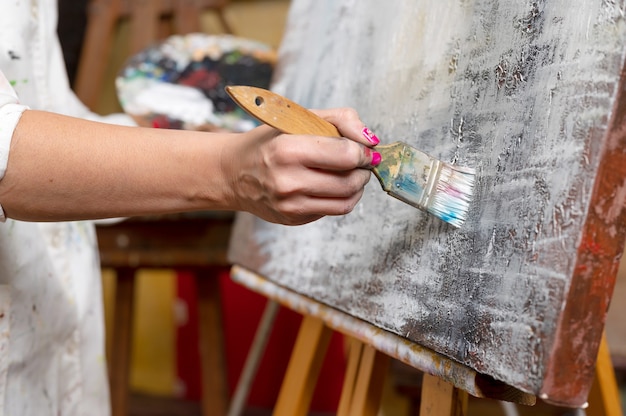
x=52, y=358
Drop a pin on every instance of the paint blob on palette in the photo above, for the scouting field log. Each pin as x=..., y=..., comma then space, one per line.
x=180, y=83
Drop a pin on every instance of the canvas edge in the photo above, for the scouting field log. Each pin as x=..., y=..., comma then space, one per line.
x=570, y=364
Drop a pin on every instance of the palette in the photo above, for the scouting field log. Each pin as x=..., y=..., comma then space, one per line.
x=179, y=83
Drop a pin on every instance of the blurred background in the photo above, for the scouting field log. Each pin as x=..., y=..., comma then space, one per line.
x=165, y=376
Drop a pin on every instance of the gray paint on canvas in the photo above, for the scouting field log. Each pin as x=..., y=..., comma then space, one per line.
x=521, y=91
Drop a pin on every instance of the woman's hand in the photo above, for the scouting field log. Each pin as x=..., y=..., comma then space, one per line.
x=296, y=179
x=63, y=168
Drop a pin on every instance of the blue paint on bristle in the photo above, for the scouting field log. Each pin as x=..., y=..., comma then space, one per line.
x=407, y=186
x=448, y=217
x=453, y=194
x=425, y=182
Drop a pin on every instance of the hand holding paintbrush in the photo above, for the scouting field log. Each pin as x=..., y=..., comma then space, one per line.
x=405, y=173
x=294, y=178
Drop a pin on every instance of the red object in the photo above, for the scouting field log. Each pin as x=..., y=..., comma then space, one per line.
x=188, y=338
x=242, y=310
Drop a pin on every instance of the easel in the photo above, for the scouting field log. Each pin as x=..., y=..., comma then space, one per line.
x=367, y=365
x=363, y=382
x=604, y=399
x=146, y=17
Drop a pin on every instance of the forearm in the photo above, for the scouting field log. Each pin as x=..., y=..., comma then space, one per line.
x=94, y=170
x=64, y=168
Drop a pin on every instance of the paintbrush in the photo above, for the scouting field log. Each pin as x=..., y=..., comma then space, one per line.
x=405, y=173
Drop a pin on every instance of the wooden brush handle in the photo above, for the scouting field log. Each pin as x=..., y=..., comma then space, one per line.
x=280, y=113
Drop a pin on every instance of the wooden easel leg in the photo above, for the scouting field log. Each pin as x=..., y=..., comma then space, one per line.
x=218, y=7
x=440, y=398
x=604, y=399
x=227, y=27
x=144, y=28
x=97, y=45
x=364, y=381
x=304, y=366
x=187, y=16
x=349, y=382
x=214, y=388
x=122, y=334
x=370, y=381
x=253, y=360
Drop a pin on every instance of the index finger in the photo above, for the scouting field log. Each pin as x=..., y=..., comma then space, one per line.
x=349, y=125
x=334, y=153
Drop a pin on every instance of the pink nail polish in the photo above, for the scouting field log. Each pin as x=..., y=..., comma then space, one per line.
x=376, y=158
x=371, y=137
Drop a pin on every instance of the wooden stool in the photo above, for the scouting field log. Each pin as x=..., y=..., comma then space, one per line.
x=198, y=245
x=145, y=19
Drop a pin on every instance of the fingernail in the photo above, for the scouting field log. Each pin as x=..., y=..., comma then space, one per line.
x=371, y=137
x=376, y=158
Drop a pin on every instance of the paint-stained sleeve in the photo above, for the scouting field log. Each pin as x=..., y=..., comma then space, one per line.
x=10, y=112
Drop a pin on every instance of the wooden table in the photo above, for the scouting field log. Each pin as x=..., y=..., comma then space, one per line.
x=192, y=242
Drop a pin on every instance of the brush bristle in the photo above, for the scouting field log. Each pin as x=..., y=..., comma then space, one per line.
x=453, y=194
